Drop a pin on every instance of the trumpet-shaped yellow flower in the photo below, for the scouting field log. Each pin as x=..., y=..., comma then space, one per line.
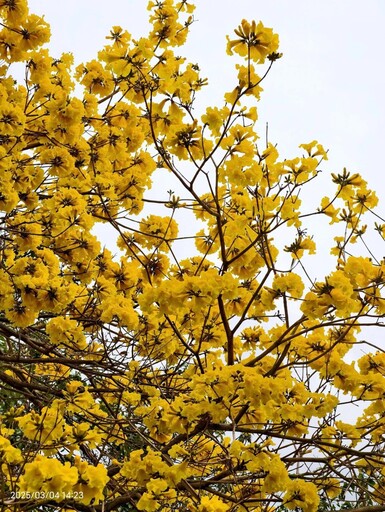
x=255, y=41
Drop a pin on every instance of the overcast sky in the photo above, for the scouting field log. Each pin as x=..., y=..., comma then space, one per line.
x=329, y=85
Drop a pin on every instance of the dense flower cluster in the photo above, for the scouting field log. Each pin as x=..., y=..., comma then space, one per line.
x=211, y=382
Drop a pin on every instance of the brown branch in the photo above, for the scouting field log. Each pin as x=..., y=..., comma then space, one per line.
x=229, y=333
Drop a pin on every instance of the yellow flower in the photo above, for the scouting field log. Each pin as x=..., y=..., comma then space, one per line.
x=92, y=481
x=156, y=231
x=12, y=120
x=65, y=332
x=148, y=503
x=301, y=494
x=205, y=243
x=249, y=80
x=185, y=141
x=14, y=11
x=315, y=149
x=300, y=245
x=328, y=209
x=49, y=476
x=212, y=504
x=185, y=6
x=215, y=118
x=290, y=283
x=34, y=32
x=45, y=428
x=95, y=78
x=21, y=315
x=331, y=487
x=9, y=198
x=120, y=308
x=11, y=454
x=157, y=485
x=254, y=41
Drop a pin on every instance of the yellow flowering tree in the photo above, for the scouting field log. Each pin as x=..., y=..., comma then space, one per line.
x=202, y=364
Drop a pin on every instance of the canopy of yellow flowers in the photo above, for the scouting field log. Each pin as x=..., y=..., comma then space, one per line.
x=148, y=381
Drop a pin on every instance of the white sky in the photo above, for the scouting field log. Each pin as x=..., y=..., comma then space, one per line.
x=329, y=85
